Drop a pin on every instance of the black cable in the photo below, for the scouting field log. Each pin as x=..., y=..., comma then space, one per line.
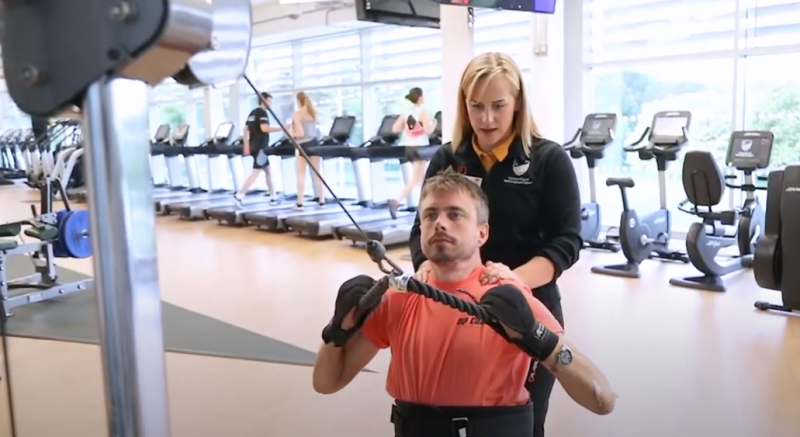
x=375, y=250
x=448, y=299
x=407, y=283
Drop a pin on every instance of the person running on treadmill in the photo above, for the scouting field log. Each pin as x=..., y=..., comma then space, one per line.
x=306, y=133
x=533, y=191
x=256, y=138
x=415, y=128
x=448, y=370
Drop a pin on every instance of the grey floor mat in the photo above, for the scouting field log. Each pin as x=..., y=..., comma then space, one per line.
x=74, y=319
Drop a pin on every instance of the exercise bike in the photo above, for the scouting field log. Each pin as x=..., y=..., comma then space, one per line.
x=704, y=185
x=590, y=142
x=649, y=237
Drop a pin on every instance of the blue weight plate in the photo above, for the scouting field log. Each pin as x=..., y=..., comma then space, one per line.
x=58, y=246
x=74, y=234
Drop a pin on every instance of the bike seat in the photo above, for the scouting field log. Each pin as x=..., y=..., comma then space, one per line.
x=703, y=182
x=620, y=182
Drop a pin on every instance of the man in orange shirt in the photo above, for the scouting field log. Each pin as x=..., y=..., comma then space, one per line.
x=451, y=374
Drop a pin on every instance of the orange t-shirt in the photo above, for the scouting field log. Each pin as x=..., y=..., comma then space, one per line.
x=443, y=357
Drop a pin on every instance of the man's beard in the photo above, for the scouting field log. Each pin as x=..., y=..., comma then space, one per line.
x=444, y=253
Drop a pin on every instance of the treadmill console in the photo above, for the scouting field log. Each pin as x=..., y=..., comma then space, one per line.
x=598, y=129
x=386, y=132
x=342, y=128
x=670, y=128
x=162, y=133
x=180, y=133
x=750, y=150
x=224, y=132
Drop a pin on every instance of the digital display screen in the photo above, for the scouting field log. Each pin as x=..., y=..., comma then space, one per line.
x=414, y=8
x=224, y=131
x=750, y=151
x=386, y=126
x=538, y=6
x=598, y=126
x=162, y=132
x=179, y=133
x=669, y=126
x=341, y=126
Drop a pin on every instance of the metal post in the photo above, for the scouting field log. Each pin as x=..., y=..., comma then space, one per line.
x=115, y=127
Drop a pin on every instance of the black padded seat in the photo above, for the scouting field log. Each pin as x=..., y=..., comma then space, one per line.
x=704, y=185
x=703, y=182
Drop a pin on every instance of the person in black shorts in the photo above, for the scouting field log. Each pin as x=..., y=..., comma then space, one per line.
x=256, y=138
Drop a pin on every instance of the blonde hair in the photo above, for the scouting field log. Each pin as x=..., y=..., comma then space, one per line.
x=448, y=181
x=480, y=70
x=305, y=102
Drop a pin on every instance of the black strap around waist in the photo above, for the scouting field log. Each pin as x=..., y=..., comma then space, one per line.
x=416, y=420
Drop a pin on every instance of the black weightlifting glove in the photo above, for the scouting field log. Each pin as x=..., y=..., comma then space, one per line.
x=350, y=293
x=506, y=304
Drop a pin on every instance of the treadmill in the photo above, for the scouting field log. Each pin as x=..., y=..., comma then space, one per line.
x=277, y=221
x=234, y=153
x=386, y=230
x=339, y=136
x=377, y=150
x=218, y=171
x=158, y=164
x=181, y=166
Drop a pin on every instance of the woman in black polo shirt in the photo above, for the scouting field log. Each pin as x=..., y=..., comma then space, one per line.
x=534, y=202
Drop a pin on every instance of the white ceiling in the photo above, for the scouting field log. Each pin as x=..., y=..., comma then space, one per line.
x=284, y=36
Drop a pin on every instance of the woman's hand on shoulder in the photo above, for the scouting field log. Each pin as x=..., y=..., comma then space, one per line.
x=423, y=272
x=495, y=272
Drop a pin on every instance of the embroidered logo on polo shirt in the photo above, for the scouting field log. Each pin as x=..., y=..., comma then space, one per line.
x=520, y=168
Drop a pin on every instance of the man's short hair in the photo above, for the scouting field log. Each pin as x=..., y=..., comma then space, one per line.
x=449, y=180
x=266, y=95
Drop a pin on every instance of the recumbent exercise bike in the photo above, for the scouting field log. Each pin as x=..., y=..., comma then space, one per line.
x=704, y=185
x=649, y=236
x=777, y=257
x=590, y=142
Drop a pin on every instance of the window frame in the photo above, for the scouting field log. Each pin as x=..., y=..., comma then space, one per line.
x=742, y=52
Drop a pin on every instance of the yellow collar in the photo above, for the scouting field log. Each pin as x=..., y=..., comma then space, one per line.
x=499, y=153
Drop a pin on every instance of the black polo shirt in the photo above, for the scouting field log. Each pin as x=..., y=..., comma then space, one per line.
x=534, y=206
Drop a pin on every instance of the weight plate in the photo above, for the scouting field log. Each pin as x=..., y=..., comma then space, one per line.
x=58, y=247
x=74, y=234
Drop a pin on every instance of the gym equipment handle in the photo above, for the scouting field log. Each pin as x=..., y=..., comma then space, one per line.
x=571, y=144
x=635, y=146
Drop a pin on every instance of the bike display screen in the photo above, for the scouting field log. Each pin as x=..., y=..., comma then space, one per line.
x=750, y=150
x=670, y=127
x=599, y=128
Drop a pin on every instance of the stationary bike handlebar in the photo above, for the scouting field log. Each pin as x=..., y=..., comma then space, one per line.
x=687, y=207
x=746, y=187
x=637, y=145
x=660, y=147
x=572, y=143
x=575, y=142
